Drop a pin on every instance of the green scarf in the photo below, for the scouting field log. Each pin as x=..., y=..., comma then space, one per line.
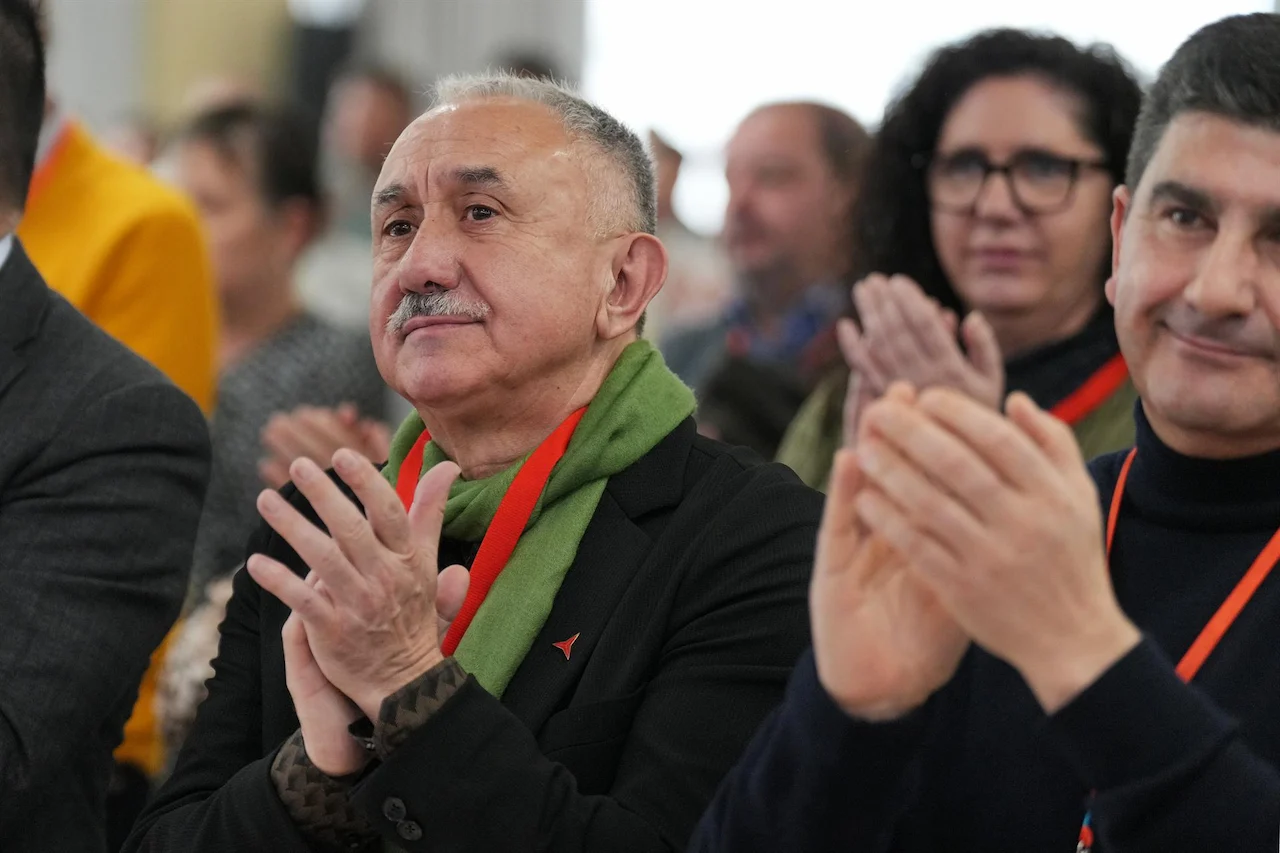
x=640, y=402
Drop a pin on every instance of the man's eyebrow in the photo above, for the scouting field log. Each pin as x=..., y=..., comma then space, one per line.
x=479, y=177
x=475, y=177
x=1202, y=200
x=1180, y=193
x=389, y=196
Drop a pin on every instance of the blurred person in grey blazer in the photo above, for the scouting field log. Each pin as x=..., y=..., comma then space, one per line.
x=103, y=468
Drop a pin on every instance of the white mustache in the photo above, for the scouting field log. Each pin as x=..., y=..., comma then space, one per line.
x=437, y=303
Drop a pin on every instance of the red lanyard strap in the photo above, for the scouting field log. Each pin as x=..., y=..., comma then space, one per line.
x=1093, y=392
x=508, y=523
x=1222, y=620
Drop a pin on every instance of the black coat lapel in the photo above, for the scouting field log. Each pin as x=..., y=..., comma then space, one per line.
x=11, y=365
x=612, y=550
x=609, y=555
x=24, y=299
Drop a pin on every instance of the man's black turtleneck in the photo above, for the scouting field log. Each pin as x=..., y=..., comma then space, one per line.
x=981, y=767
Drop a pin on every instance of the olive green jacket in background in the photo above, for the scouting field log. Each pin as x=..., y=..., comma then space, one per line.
x=814, y=436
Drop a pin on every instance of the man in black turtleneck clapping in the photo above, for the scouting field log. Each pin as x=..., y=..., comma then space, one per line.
x=991, y=673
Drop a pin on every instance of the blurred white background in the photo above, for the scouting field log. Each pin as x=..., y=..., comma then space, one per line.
x=692, y=69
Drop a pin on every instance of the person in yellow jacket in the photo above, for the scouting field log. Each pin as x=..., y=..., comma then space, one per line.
x=128, y=252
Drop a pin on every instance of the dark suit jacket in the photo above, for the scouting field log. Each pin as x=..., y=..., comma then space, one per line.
x=103, y=466
x=688, y=594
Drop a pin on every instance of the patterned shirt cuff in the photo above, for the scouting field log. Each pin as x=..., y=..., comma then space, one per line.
x=409, y=708
x=319, y=804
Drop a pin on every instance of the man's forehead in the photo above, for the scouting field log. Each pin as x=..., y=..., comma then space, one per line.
x=503, y=132
x=784, y=130
x=1227, y=160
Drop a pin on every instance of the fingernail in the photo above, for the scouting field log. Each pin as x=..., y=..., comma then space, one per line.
x=302, y=470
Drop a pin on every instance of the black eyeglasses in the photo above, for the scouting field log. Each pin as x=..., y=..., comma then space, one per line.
x=1039, y=181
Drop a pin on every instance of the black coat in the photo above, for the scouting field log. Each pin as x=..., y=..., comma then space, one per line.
x=103, y=468
x=688, y=594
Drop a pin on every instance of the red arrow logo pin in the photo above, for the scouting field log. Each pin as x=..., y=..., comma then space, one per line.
x=566, y=646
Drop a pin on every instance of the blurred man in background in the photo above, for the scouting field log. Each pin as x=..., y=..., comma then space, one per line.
x=103, y=469
x=368, y=108
x=793, y=171
x=252, y=172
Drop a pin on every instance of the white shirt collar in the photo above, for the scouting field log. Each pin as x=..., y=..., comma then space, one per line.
x=6, y=246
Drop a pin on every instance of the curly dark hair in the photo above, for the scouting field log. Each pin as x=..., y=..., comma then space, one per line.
x=891, y=216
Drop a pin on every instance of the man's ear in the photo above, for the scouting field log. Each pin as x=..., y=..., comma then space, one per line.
x=1122, y=201
x=638, y=271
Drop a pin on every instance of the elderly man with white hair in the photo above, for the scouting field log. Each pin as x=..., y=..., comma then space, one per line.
x=621, y=600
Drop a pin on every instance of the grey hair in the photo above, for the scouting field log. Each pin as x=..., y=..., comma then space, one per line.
x=624, y=195
x=1230, y=68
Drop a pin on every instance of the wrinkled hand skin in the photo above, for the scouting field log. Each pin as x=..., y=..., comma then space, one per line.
x=883, y=643
x=907, y=337
x=371, y=618
x=999, y=517
x=315, y=433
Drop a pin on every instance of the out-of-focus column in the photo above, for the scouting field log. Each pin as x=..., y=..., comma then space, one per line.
x=94, y=57
x=195, y=44
x=428, y=38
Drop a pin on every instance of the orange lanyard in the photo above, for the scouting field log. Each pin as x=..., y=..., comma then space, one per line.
x=508, y=523
x=1235, y=602
x=1094, y=391
x=1212, y=633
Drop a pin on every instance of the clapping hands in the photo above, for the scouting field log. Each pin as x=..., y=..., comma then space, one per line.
x=948, y=522
x=369, y=616
x=951, y=522
x=907, y=337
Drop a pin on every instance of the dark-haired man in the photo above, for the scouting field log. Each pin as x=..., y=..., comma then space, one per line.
x=103, y=468
x=989, y=673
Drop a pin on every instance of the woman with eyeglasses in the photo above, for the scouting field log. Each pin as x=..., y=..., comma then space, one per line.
x=988, y=196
